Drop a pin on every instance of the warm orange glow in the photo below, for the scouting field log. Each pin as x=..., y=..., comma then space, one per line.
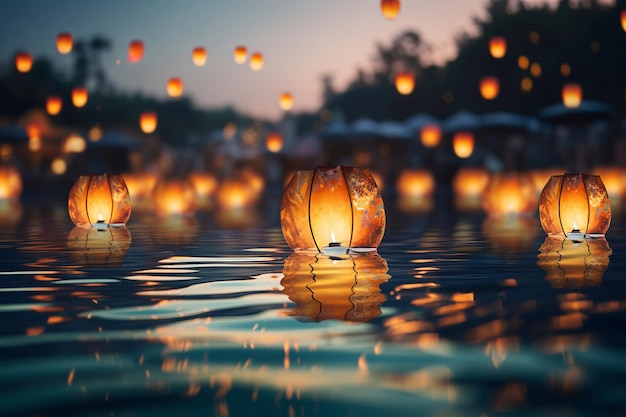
x=489, y=87
x=23, y=61
x=572, y=95
x=256, y=61
x=100, y=248
x=390, y=8
x=99, y=199
x=241, y=54
x=235, y=194
x=571, y=202
x=10, y=183
x=74, y=144
x=511, y=234
x=622, y=17
x=497, y=46
x=405, y=82
x=286, y=101
x=415, y=183
x=148, y=121
x=470, y=182
x=339, y=205
x=274, y=142
x=523, y=62
x=79, y=96
x=174, y=87
x=541, y=176
x=174, y=197
x=205, y=185
x=135, y=51
x=198, y=56
x=140, y=185
x=58, y=166
x=54, y=104
x=430, y=135
x=65, y=42
x=510, y=193
x=614, y=179
x=463, y=144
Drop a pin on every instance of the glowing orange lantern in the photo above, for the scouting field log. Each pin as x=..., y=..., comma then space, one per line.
x=99, y=248
x=489, y=87
x=256, y=61
x=175, y=87
x=10, y=183
x=235, y=194
x=614, y=179
x=497, y=46
x=463, y=144
x=575, y=205
x=415, y=183
x=199, y=56
x=332, y=209
x=510, y=193
x=622, y=17
x=174, y=197
x=390, y=8
x=205, y=185
x=241, y=54
x=65, y=42
x=135, y=51
x=148, y=121
x=274, y=142
x=79, y=96
x=99, y=200
x=140, y=186
x=23, y=61
x=430, y=135
x=286, y=101
x=405, y=82
x=54, y=105
x=468, y=185
x=541, y=176
x=572, y=95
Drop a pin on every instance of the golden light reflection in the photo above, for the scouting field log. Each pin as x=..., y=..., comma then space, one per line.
x=10, y=182
x=469, y=184
x=99, y=248
x=511, y=234
x=510, y=193
x=174, y=197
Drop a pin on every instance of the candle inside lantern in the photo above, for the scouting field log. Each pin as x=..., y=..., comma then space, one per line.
x=334, y=247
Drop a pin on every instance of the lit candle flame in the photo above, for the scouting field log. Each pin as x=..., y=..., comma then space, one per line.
x=100, y=219
x=332, y=236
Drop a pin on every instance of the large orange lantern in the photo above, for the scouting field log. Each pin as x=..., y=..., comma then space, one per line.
x=256, y=61
x=497, y=46
x=390, y=8
x=463, y=144
x=23, y=61
x=99, y=248
x=65, y=42
x=10, y=183
x=99, y=200
x=510, y=193
x=405, y=82
x=274, y=142
x=468, y=185
x=614, y=179
x=286, y=101
x=575, y=205
x=572, y=95
x=79, y=96
x=198, y=55
x=332, y=209
x=489, y=87
x=240, y=55
x=174, y=197
x=135, y=51
x=54, y=104
x=148, y=121
x=174, y=87
x=430, y=135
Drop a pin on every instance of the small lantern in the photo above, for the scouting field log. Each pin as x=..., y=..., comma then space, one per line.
x=10, y=183
x=570, y=264
x=541, y=176
x=463, y=144
x=430, y=135
x=332, y=209
x=23, y=61
x=65, y=43
x=256, y=61
x=205, y=184
x=198, y=55
x=286, y=101
x=174, y=87
x=140, y=186
x=468, y=185
x=510, y=193
x=74, y=144
x=497, y=46
x=614, y=179
x=575, y=205
x=405, y=82
x=489, y=87
x=390, y=8
x=54, y=105
x=241, y=54
x=99, y=248
x=79, y=96
x=274, y=142
x=99, y=200
x=174, y=197
x=148, y=121
x=339, y=288
x=572, y=95
x=415, y=189
x=235, y=194
x=135, y=51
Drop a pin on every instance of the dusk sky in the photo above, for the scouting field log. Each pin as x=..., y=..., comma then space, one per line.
x=301, y=40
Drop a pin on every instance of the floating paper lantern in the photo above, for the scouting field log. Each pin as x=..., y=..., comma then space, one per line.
x=174, y=197
x=99, y=200
x=99, y=248
x=405, y=82
x=390, y=8
x=256, y=61
x=80, y=95
x=468, y=185
x=205, y=185
x=10, y=183
x=54, y=104
x=148, y=121
x=135, y=51
x=430, y=135
x=240, y=55
x=198, y=55
x=510, y=193
x=489, y=87
x=286, y=101
x=174, y=87
x=140, y=186
x=497, y=46
x=339, y=288
x=575, y=205
x=234, y=194
x=614, y=179
x=572, y=95
x=415, y=183
x=23, y=61
x=463, y=144
x=274, y=142
x=65, y=43
x=332, y=209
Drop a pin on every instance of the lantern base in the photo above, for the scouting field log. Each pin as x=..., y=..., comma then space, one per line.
x=100, y=225
x=575, y=236
x=335, y=248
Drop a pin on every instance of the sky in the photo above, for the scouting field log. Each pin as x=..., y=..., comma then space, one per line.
x=301, y=41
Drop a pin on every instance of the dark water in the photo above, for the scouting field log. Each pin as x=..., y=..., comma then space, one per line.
x=215, y=316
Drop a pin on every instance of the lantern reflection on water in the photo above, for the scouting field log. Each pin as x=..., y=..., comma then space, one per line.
x=510, y=234
x=99, y=247
x=329, y=287
x=99, y=200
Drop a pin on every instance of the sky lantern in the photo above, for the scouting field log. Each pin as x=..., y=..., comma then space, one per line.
x=23, y=61
x=79, y=96
x=148, y=121
x=572, y=95
x=510, y=193
x=497, y=46
x=174, y=87
x=274, y=142
x=199, y=56
x=241, y=54
x=256, y=61
x=430, y=135
x=286, y=101
x=463, y=144
x=65, y=42
x=390, y=8
x=54, y=105
x=135, y=51
x=405, y=82
x=489, y=87
x=100, y=200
